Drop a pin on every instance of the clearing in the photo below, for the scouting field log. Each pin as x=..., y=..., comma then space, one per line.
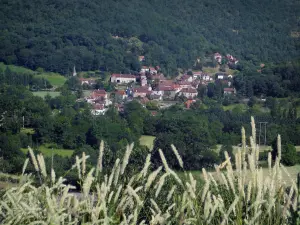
x=148, y=141
x=42, y=94
x=55, y=79
x=46, y=150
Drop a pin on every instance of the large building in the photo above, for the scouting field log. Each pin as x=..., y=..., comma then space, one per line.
x=122, y=78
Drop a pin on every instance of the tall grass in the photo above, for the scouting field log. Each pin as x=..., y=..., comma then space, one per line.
x=156, y=195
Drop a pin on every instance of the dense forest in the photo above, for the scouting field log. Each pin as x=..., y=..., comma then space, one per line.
x=110, y=35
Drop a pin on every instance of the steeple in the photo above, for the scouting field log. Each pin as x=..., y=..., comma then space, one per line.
x=74, y=72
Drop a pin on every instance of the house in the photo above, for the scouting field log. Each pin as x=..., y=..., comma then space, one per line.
x=186, y=77
x=206, y=77
x=87, y=81
x=144, y=69
x=197, y=74
x=189, y=92
x=196, y=83
x=166, y=91
x=122, y=78
x=98, y=109
x=141, y=58
x=121, y=94
x=184, y=84
x=152, y=70
x=221, y=76
x=141, y=92
x=99, y=94
x=143, y=80
x=159, y=77
x=231, y=59
x=229, y=91
x=218, y=57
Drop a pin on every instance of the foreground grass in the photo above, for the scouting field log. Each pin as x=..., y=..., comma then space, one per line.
x=147, y=140
x=239, y=192
x=46, y=150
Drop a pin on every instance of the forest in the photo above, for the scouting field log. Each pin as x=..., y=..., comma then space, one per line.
x=110, y=35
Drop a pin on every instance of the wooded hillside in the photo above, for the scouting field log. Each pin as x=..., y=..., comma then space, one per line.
x=111, y=35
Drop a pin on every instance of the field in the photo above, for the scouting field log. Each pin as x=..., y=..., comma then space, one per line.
x=147, y=140
x=27, y=130
x=239, y=107
x=47, y=151
x=42, y=94
x=17, y=69
x=55, y=79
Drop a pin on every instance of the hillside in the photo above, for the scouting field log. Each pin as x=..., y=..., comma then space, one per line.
x=111, y=35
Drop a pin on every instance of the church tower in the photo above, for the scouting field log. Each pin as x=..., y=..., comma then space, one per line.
x=74, y=72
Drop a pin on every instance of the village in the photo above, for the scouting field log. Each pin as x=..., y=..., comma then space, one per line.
x=150, y=85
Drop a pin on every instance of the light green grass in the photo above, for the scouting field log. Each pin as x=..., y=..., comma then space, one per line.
x=210, y=70
x=87, y=93
x=46, y=150
x=147, y=140
x=27, y=130
x=240, y=107
x=16, y=69
x=42, y=94
x=55, y=79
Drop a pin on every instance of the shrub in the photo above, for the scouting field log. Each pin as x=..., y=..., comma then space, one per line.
x=155, y=197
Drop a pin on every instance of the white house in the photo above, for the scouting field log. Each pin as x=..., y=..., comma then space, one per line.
x=122, y=78
x=144, y=69
x=189, y=92
x=98, y=109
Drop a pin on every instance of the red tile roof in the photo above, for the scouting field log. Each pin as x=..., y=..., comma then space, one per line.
x=141, y=90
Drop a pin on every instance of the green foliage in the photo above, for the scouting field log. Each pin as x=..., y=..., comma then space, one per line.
x=289, y=155
x=55, y=36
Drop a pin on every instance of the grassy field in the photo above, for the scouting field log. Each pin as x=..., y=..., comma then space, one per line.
x=240, y=107
x=27, y=130
x=46, y=149
x=55, y=79
x=17, y=69
x=42, y=94
x=147, y=140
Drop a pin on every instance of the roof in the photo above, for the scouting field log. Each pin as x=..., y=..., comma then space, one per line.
x=184, y=83
x=99, y=92
x=123, y=75
x=197, y=73
x=121, y=92
x=141, y=90
x=165, y=88
x=189, y=90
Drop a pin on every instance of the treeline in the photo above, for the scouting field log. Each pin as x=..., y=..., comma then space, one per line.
x=23, y=79
x=109, y=35
x=279, y=80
